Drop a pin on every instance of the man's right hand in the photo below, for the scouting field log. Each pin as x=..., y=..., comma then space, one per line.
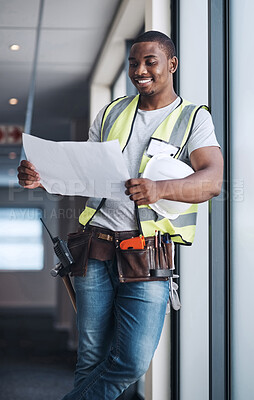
x=27, y=175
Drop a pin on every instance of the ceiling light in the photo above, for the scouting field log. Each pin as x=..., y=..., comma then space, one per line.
x=14, y=47
x=12, y=155
x=13, y=101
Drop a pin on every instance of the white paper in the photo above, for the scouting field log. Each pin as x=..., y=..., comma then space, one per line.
x=89, y=169
x=158, y=146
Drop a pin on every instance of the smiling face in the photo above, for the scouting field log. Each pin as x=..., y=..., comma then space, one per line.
x=150, y=70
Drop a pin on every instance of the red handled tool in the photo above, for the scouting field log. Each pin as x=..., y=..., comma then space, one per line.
x=137, y=242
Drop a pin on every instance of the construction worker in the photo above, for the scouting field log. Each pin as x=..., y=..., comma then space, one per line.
x=120, y=323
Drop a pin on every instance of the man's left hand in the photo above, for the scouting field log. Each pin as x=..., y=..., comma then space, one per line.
x=141, y=190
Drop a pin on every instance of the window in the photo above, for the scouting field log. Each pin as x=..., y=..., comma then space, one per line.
x=119, y=86
x=242, y=172
x=21, y=242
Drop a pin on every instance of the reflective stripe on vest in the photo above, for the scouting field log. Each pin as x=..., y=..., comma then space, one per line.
x=117, y=123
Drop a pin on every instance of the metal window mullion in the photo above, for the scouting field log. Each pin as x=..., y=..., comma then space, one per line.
x=219, y=218
x=175, y=315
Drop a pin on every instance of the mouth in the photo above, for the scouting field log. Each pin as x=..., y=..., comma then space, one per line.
x=143, y=81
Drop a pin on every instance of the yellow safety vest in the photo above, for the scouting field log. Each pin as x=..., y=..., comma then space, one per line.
x=117, y=123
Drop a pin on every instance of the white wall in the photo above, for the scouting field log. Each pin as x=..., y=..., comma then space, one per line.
x=157, y=16
x=194, y=345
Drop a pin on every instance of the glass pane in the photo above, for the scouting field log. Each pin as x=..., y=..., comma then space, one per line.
x=194, y=260
x=21, y=245
x=242, y=189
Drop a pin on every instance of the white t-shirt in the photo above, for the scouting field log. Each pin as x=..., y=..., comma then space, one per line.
x=120, y=216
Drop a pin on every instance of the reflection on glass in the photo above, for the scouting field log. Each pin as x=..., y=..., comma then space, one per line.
x=21, y=245
x=242, y=195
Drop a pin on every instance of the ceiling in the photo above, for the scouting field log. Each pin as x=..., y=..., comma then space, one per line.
x=70, y=37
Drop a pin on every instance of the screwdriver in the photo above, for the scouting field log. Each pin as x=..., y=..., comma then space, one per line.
x=167, y=240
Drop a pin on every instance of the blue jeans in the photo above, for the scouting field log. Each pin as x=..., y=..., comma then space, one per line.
x=119, y=327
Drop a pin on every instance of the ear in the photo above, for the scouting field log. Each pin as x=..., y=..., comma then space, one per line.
x=173, y=64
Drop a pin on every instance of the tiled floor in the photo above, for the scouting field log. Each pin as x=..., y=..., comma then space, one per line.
x=35, y=364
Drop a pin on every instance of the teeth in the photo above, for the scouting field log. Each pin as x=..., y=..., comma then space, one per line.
x=144, y=80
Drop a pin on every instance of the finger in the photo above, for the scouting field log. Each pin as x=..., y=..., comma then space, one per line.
x=127, y=183
x=142, y=202
x=134, y=189
x=28, y=172
x=27, y=182
x=137, y=196
x=127, y=191
x=23, y=177
x=132, y=192
x=27, y=164
x=33, y=186
x=132, y=182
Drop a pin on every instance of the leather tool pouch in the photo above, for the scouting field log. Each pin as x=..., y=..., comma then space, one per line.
x=148, y=264
x=79, y=244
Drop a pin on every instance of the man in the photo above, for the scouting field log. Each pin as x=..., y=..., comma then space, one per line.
x=120, y=323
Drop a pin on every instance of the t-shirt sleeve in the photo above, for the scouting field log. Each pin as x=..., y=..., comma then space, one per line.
x=94, y=134
x=203, y=133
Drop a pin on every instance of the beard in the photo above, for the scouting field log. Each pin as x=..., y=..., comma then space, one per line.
x=146, y=94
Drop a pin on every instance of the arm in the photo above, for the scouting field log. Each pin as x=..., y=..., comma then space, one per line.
x=204, y=184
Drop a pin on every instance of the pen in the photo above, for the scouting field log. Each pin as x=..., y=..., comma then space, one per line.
x=156, y=239
x=159, y=251
x=159, y=238
x=156, y=248
x=166, y=238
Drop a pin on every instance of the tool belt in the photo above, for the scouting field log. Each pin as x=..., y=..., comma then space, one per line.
x=150, y=263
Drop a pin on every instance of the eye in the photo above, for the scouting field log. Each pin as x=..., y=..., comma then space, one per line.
x=150, y=63
x=133, y=64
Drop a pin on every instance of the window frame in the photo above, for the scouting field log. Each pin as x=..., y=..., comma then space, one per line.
x=220, y=212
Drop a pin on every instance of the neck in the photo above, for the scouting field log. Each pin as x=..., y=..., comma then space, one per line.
x=153, y=102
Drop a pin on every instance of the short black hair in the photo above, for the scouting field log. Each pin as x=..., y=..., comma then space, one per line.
x=163, y=40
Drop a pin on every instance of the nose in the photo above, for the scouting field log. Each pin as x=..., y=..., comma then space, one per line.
x=141, y=70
